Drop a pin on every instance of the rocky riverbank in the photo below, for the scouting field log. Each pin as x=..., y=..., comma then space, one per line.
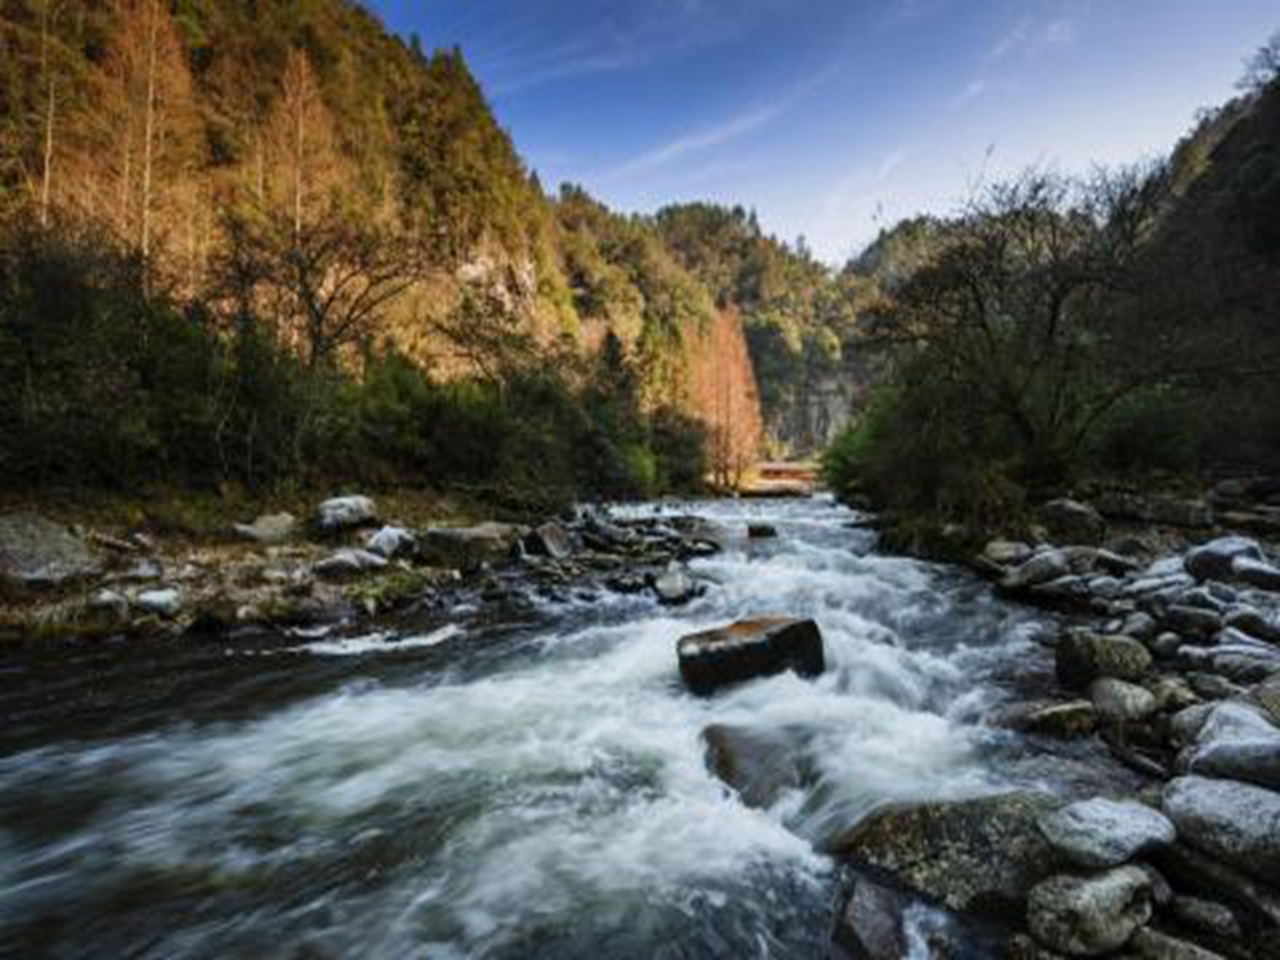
x=1170, y=657
x=343, y=563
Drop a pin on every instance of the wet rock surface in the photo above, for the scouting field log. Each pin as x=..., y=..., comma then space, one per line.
x=749, y=649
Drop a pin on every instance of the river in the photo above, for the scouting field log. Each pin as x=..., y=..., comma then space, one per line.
x=468, y=785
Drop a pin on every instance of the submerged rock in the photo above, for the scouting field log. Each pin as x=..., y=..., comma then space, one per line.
x=749, y=649
x=759, y=765
x=1236, y=822
x=1106, y=833
x=761, y=531
x=1090, y=916
x=978, y=855
x=343, y=513
x=36, y=553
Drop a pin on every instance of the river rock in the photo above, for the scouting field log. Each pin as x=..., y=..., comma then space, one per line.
x=1193, y=621
x=166, y=602
x=675, y=587
x=1256, y=573
x=107, y=608
x=1006, y=553
x=36, y=554
x=971, y=855
x=759, y=765
x=761, y=531
x=1044, y=567
x=550, y=540
x=271, y=528
x=1149, y=944
x=1206, y=916
x=349, y=563
x=1074, y=523
x=343, y=513
x=1236, y=822
x=1090, y=916
x=1236, y=742
x=1081, y=657
x=1076, y=718
x=1122, y=702
x=871, y=925
x=1253, y=622
x=469, y=548
x=1266, y=696
x=391, y=542
x=749, y=649
x=1216, y=560
x=1102, y=833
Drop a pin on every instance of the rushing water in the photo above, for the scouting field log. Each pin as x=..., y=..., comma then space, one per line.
x=469, y=788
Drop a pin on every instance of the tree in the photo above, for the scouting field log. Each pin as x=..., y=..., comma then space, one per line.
x=1263, y=68
x=303, y=165
x=1016, y=307
x=142, y=153
x=328, y=287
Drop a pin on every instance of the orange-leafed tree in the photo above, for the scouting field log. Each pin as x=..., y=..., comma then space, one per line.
x=724, y=396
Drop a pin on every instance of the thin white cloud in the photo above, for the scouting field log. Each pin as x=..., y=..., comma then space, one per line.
x=720, y=133
x=1031, y=36
x=889, y=164
x=974, y=90
x=699, y=140
x=1060, y=33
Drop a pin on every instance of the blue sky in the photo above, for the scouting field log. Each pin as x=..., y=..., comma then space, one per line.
x=833, y=118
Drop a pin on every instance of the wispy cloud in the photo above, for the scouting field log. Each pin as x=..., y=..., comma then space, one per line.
x=723, y=131
x=705, y=139
x=1030, y=36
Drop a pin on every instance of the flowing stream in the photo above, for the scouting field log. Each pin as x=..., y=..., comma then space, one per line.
x=466, y=786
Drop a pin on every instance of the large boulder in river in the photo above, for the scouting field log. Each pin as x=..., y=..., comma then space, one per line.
x=760, y=765
x=469, y=548
x=749, y=649
x=1082, y=657
x=978, y=855
x=1237, y=823
x=1090, y=916
x=36, y=553
x=1072, y=522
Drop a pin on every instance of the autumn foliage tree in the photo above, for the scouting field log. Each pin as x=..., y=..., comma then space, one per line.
x=724, y=396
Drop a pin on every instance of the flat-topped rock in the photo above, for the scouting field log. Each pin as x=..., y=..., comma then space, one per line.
x=1106, y=833
x=1215, y=560
x=749, y=649
x=36, y=554
x=978, y=855
x=1082, y=657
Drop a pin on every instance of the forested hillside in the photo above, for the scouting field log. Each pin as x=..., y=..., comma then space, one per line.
x=1118, y=326
x=267, y=240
